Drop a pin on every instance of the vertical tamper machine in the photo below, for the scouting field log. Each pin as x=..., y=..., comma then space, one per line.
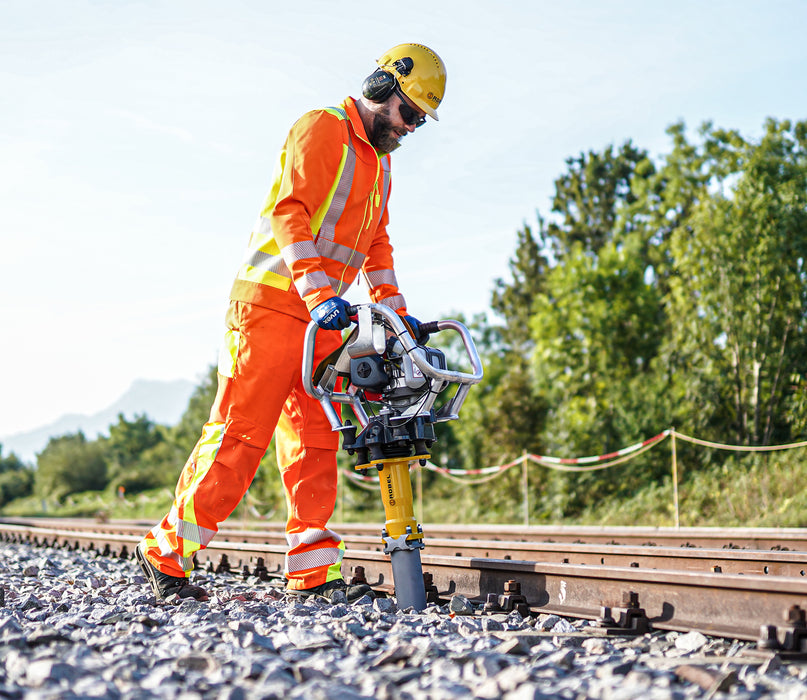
x=392, y=383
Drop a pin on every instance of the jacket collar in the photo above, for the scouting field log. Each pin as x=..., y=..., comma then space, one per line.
x=352, y=111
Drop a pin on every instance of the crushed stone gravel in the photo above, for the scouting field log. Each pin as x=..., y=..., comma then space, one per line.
x=76, y=625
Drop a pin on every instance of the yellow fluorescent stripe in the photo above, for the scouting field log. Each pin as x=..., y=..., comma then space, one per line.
x=229, y=353
x=336, y=112
x=263, y=242
x=188, y=548
x=188, y=513
x=335, y=569
x=252, y=274
x=206, y=454
x=207, y=449
x=316, y=220
x=277, y=179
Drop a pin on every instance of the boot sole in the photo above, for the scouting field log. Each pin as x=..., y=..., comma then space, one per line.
x=145, y=567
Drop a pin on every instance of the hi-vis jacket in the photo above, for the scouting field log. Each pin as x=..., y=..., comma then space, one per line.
x=323, y=221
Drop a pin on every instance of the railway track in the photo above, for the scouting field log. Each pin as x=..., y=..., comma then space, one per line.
x=695, y=549
x=740, y=584
x=705, y=537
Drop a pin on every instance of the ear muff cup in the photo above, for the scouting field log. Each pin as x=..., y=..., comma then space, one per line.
x=378, y=86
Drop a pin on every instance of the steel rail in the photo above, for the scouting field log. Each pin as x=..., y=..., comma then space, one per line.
x=793, y=539
x=750, y=538
x=622, y=598
x=729, y=560
x=728, y=605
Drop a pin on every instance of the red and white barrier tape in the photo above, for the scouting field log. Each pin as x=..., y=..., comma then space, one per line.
x=602, y=458
x=579, y=464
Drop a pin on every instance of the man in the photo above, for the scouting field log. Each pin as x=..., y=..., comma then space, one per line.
x=323, y=221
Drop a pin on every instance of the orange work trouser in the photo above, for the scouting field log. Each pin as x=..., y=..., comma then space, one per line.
x=260, y=391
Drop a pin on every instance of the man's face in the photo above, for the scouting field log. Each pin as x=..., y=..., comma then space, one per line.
x=397, y=117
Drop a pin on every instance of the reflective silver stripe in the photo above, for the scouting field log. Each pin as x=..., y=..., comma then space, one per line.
x=262, y=225
x=340, y=253
x=395, y=303
x=184, y=563
x=190, y=531
x=327, y=231
x=263, y=261
x=336, y=111
x=326, y=556
x=194, y=533
x=337, y=285
x=385, y=191
x=378, y=277
x=310, y=282
x=300, y=250
x=310, y=536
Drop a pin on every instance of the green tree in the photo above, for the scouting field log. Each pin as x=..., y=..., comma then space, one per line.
x=70, y=464
x=15, y=484
x=739, y=285
x=156, y=454
x=595, y=328
x=10, y=462
x=189, y=428
x=581, y=321
x=674, y=295
x=131, y=453
x=16, y=479
x=593, y=193
x=129, y=439
x=513, y=299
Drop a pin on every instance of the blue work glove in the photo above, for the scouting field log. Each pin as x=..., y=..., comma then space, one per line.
x=417, y=334
x=332, y=315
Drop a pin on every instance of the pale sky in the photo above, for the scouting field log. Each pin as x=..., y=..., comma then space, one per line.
x=137, y=141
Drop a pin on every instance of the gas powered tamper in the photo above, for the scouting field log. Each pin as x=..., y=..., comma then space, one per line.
x=391, y=383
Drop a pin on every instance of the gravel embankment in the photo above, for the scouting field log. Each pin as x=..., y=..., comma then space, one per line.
x=74, y=625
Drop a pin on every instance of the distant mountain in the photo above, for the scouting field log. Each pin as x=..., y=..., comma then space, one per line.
x=162, y=402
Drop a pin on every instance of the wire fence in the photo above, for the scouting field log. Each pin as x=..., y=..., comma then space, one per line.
x=473, y=477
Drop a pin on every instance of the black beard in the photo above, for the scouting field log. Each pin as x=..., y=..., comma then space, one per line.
x=382, y=135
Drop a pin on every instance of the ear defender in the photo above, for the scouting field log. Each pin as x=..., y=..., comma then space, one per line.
x=380, y=84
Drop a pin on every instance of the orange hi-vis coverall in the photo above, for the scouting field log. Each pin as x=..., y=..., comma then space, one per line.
x=323, y=221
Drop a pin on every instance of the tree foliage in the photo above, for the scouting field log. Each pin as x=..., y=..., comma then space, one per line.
x=592, y=194
x=659, y=293
x=70, y=464
x=16, y=479
x=739, y=287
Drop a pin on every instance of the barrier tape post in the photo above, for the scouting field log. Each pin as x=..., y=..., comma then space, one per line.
x=526, y=486
x=675, y=478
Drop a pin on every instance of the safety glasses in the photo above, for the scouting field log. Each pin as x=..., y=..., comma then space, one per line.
x=410, y=116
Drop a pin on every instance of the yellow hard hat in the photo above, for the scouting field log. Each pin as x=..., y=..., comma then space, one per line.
x=420, y=73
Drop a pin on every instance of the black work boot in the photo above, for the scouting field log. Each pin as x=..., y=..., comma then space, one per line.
x=336, y=591
x=164, y=585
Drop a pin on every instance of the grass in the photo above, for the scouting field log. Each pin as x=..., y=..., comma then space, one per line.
x=148, y=506
x=768, y=490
